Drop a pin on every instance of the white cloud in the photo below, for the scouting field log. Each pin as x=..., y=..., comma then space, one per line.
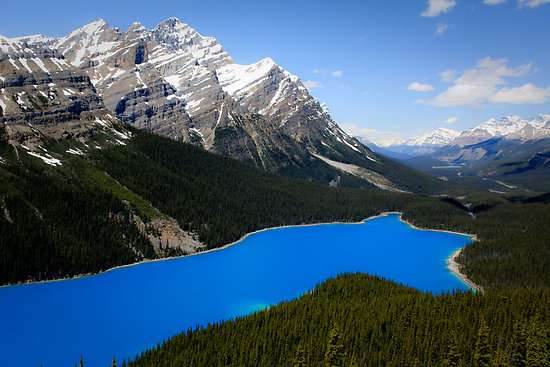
x=451, y=120
x=437, y=7
x=324, y=72
x=420, y=87
x=479, y=84
x=526, y=94
x=380, y=138
x=532, y=3
x=493, y=2
x=447, y=75
x=441, y=29
x=312, y=84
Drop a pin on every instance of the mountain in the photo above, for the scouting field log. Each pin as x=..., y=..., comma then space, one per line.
x=511, y=149
x=44, y=97
x=506, y=139
x=421, y=145
x=510, y=127
x=177, y=83
x=437, y=137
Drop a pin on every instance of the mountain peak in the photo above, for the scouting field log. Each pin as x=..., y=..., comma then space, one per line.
x=438, y=137
x=171, y=22
x=94, y=26
x=136, y=27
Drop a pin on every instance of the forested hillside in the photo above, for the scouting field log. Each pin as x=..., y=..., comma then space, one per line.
x=80, y=217
x=358, y=320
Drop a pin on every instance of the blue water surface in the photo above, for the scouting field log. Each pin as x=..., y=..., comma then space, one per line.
x=122, y=312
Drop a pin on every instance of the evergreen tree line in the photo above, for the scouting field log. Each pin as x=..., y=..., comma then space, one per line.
x=53, y=228
x=359, y=320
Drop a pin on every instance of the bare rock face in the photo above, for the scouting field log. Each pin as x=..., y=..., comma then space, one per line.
x=42, y=96
x=175, y=82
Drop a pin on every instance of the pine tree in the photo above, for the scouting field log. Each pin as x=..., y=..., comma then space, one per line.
x=537, y=354
x=482, y=355
x=334, y=356
x=453, y=355
x=81, y=363
x=519, y=346
x=113, y=364
x=300, y=358
x=500, y=359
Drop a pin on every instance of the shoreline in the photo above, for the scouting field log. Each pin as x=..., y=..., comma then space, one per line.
x=452, y=265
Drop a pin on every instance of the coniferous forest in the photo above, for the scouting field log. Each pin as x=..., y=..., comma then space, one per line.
x=365, y=321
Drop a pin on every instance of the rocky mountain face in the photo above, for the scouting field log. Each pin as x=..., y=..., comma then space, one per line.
x=43, y=96
x=175, y=82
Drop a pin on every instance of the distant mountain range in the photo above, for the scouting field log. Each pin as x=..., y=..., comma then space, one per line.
x=511, y=148
x=175, y=82
x=423, y=144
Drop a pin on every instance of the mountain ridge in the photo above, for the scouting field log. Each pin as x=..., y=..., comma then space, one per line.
x=175, y=82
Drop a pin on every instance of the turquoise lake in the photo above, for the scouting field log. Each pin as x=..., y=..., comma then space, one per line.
x=122, y=312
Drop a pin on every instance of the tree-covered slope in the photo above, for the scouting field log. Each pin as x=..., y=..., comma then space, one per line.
x=377, y=323
x=83, y=215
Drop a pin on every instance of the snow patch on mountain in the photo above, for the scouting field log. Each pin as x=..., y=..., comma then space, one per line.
x=438, y=137
x=509, y=127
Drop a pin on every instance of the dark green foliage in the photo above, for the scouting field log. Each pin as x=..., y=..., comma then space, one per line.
x=482, y=355
x=500, y=359
x=519, y=345
x=300, y=359
x=334, y=355
x=53, y=226
x=453, y=357
x=538, y=345
x=222, y=199
x=380, y=324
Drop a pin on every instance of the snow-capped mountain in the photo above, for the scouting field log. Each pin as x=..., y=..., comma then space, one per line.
x=510, y=127
x=423, y=144
x=175, y=82
x=43, y=96
x=438, y=137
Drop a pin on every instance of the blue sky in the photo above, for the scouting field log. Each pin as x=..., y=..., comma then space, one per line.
x=385, y=68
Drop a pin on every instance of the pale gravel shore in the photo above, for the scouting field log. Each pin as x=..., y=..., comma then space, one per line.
x=455, y=269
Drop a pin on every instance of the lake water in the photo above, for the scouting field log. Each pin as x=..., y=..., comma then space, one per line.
x=122, y=312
